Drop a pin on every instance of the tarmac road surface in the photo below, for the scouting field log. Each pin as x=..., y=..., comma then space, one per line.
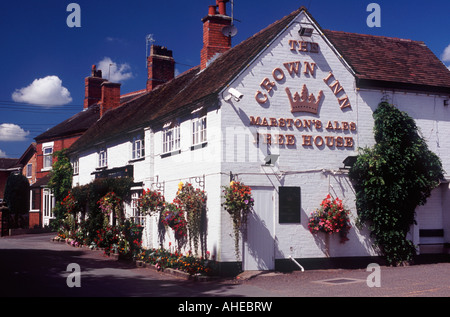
x=32, y=265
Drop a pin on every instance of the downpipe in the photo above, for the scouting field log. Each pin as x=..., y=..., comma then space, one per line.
x=298, y=264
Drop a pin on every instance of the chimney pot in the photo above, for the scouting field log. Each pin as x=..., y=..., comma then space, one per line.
x=93, y=87
x=222, y=4
x=214, y=41
x=212, y=10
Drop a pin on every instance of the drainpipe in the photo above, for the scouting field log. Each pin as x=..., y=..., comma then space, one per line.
x=298, y=264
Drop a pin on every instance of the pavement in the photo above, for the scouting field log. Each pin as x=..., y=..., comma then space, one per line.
x=32, y=265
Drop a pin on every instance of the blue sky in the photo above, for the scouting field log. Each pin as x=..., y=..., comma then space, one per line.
x=41, y=55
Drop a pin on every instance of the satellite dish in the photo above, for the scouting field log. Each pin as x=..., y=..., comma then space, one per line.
x=229, y=30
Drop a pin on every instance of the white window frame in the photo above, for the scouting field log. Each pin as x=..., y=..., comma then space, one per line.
x=76, y=166
x=138, y=148
x=199, y=130
x=47, y=157
x=48, y=203
x=171, y=139
x=137, y=216
x=102, y=158
x=29, y=170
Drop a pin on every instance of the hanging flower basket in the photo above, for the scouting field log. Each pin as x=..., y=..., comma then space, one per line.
x=151, y=201
x=238, y=203
x=193, y=202
x=331, y=217
x=173, y=217
x=110, y=205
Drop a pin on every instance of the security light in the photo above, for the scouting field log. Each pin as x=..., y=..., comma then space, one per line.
x=233, y=93
x=306, y=32
x=271, y=159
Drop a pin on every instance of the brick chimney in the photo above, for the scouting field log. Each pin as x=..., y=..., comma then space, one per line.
x=160, y=66
x=93, y=87
x=110, y=97
x=214, y=42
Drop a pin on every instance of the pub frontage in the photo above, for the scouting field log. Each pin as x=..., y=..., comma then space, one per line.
x=284, y=112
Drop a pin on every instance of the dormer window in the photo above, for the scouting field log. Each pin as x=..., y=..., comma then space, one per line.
x=102, y=158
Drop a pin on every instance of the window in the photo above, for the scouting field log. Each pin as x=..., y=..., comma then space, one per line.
x=48, y=203
x=171, y=139
x=138, y=148
x=76, y=166
x=29, y=170
x=289, y=204
x=48, y=152
x=102, y=158
x=138, y=217
x=199, y=130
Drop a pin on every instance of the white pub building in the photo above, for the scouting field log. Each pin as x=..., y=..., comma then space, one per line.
x=284, y=112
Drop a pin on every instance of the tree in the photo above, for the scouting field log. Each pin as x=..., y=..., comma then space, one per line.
x=17, y=193
x=60, y=182
x=392, y=179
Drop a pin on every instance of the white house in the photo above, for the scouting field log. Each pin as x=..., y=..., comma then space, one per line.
x=307, y=100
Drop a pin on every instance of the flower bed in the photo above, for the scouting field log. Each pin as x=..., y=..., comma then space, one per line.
x=162, y=259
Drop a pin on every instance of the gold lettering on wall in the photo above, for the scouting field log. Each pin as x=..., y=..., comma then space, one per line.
x=337, y=89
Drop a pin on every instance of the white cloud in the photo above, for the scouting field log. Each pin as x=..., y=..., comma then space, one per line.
x=46, y=91
x=12, y=132
x=3, y=154
x=446, y=55
x=113, y=71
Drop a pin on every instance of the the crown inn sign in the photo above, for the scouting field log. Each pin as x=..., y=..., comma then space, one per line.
x=306, y=102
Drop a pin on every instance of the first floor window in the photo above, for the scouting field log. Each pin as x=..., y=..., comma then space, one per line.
x=102, y=158
x=76, y=166
x=171, y=139
x=48, y=152
x=29, y=170
x=138, y=150
x=199, y=130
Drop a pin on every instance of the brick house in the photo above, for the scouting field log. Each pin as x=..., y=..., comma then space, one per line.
x=306, y=100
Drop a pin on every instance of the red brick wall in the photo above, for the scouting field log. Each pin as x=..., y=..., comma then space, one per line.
x=34, y=219
x=110, y=97
x=161, y=67
x=213, y=39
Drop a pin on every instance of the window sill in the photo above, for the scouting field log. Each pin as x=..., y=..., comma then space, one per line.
x=136, y=160
x=170, y=153
x=199, y=146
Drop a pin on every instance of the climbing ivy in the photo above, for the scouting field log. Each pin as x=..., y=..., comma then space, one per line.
x=391, y=179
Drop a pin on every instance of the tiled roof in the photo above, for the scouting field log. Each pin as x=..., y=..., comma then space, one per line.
x=378, y=61
x=76, y=124
x=385, y=62
x=191, y=89
x=7, y=163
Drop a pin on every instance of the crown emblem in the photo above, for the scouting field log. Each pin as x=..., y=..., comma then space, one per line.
x=303, y=102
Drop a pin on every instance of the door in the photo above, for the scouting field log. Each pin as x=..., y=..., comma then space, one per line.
x=48, y=202
x=259, y=243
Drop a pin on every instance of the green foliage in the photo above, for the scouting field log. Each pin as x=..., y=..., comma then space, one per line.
x=60, y=183
x=61, y=176
x=16, y=195
x=392, y=179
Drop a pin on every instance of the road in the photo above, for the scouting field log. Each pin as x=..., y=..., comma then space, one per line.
x=32, y=265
